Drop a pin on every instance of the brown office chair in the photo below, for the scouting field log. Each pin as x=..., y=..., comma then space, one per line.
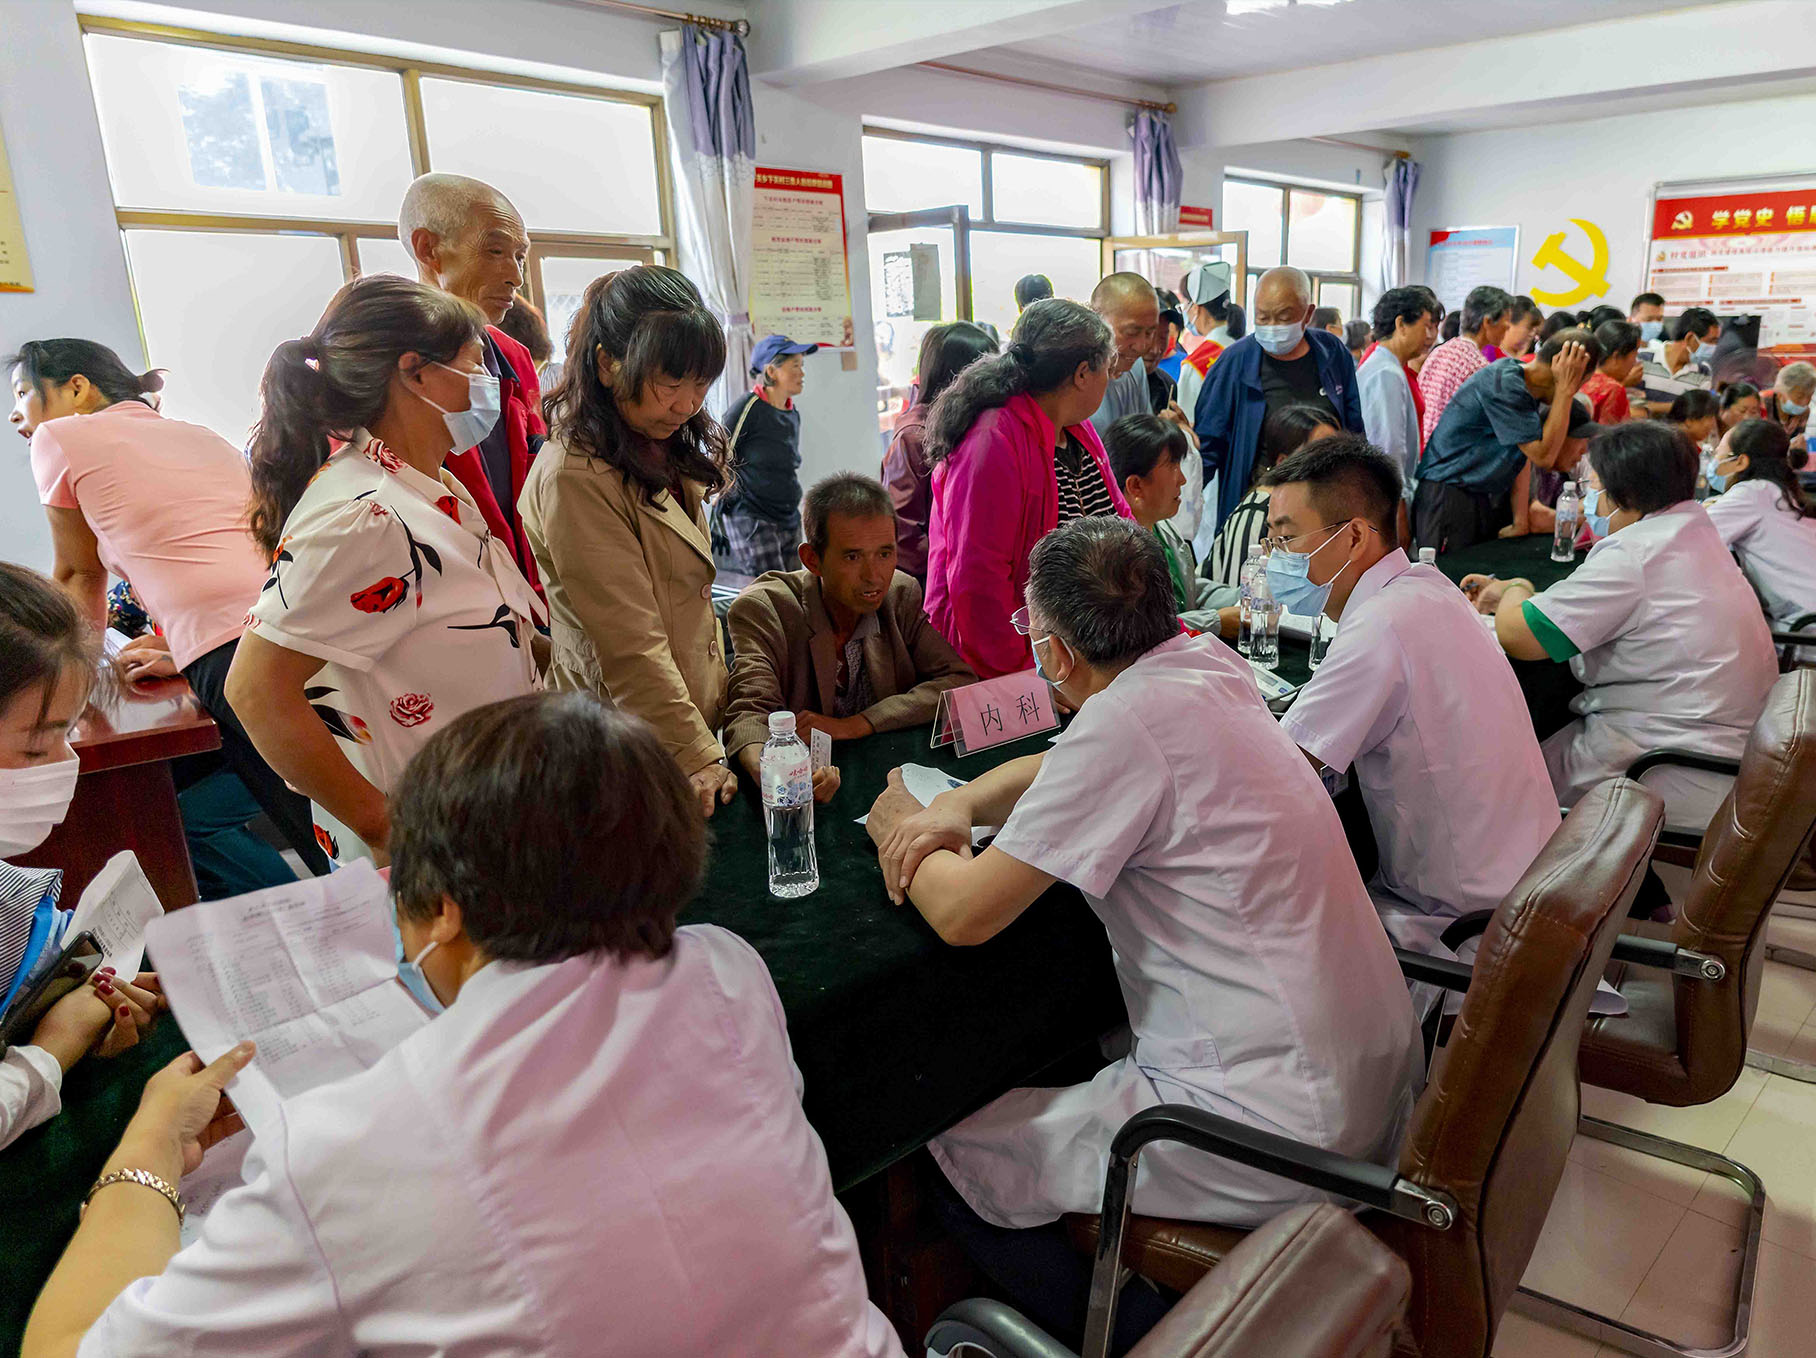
x=1311, y=1283
x=1492, y=1130
x=1692, y=993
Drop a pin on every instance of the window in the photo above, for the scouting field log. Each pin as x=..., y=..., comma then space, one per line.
x=1318, y=230
x=251, y=179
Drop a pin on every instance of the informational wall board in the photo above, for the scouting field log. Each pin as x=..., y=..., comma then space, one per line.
x=15, y=268
x=800, y=281
x=1745, y=251
x=1466, y=257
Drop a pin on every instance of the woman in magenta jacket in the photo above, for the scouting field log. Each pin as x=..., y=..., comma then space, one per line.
x=1013, y=456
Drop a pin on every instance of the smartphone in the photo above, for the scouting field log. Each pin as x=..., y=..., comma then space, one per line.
x=74, y=965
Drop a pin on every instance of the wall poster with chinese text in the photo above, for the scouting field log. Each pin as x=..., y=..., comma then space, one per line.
x=1741, y=251
x=800, y=279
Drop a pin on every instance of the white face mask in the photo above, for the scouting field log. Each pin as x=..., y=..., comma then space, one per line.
x=1279, y=339
x=470, y=427
x=33, y=802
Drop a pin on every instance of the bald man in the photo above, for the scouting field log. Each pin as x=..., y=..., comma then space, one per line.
x=1280, y=363
x=1131, y=308
x=468, y=240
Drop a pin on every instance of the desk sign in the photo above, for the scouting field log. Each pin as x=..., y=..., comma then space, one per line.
x=994, y=712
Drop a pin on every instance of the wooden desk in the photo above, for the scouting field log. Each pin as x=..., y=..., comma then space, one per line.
x=125, y=798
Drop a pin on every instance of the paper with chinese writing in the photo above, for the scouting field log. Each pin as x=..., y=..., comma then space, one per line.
x=820, y=748
x=117, y=906
x=307, y=970
x=1002, y=709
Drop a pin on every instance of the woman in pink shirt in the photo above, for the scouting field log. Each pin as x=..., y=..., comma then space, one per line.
x=160, y=503
x=1014, y=456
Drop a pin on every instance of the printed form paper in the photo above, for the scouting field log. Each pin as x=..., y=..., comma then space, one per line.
x=307, y=970
x=117, y=906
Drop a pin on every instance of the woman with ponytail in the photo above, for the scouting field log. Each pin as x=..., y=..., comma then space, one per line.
x=390, y=608
x=1764, y=516
x=1014, y=456
x=159, y=503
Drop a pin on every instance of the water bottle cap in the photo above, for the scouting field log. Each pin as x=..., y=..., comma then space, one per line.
x=1255, y=550
x=1569, y=485
x=781, y=723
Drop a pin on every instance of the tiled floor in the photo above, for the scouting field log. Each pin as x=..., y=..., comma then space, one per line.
x=1658, y=1245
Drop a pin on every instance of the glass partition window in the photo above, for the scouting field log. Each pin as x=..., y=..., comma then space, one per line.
x=1318, y=230
x=252, y=179
x=905, y=176
x=999, y=258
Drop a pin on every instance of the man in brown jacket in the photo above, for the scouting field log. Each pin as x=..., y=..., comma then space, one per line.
x=844, y=644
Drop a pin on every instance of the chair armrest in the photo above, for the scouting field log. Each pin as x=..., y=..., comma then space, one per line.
x=1656, y=952
x=1794, y=638
x=1371, y=1185
x=997, y=1328
x=1465, y=927
x=1443, y=972
x=1687, y=759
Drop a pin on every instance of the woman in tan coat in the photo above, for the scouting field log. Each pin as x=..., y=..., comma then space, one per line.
x=613, y=511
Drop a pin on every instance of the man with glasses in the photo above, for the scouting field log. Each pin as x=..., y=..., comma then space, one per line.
x=1258, y=982
x=1414, y=693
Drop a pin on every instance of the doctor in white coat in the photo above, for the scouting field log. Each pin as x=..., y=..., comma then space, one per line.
x=1259, y=983
x=598, y=1149
x=1765, y=518
x=1658, y=622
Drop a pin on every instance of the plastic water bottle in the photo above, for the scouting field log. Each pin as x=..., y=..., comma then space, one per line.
x=1569, y=523
x=1245, y=582
x=787, y=771
x=1428, y=556
x=1264, y=620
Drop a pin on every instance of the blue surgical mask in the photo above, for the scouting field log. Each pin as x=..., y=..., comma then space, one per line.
x=1791, y=407
x=1651, y=330
x=1040, y=669
x=1598, y=523
x=1279, y=339
x=411, y=973
x=1289, y=579
x=470, y=427
x=1717, y=483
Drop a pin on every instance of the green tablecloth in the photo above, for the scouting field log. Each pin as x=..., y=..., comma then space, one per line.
x=897, y=1034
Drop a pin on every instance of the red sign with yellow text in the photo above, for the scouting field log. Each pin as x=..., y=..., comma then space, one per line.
x=1194, y=218
x=1735, y=214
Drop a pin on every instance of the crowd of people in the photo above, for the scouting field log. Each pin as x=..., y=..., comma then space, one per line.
x=465, y=627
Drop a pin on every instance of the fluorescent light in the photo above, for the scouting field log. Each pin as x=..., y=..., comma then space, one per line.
x=1239, y=7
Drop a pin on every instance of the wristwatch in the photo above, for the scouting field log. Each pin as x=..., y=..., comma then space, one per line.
x=145, y=1179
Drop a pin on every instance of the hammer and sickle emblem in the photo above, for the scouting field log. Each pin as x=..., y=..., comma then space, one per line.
x=1591, y=279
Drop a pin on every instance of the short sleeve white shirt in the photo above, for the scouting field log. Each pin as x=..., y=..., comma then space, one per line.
x=1776, y=546
x=418, y=613
x=1388, y=414
x=1419, y=697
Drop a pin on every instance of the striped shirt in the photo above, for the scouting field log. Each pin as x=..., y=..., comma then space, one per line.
x=1082, y=490
x=1245, y=527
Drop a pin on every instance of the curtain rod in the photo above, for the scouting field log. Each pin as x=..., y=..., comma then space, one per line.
x=739, y=26
x=1150, y=104
x=1363, y=146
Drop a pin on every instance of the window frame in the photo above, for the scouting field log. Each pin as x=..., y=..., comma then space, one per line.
x=651, y=249
x=989, y=221
x=1285, y=188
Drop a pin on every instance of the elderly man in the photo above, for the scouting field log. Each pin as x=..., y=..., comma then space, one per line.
x=1789, y=400
x=1415, y=694
x=1131, y=308
x=1281, y=364
x=1258, y=980
x=1485, y=317
x=843, y=644
x=467, y=239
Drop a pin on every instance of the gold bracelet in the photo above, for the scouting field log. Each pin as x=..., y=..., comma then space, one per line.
x=145, y=1179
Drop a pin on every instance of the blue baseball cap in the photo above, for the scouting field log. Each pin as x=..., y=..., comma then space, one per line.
x=772, y=347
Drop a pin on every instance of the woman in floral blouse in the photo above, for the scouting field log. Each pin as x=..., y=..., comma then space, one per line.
x=390, y=609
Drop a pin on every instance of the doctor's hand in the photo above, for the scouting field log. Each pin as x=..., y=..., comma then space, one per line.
x=905, y=832
x=184, y=1109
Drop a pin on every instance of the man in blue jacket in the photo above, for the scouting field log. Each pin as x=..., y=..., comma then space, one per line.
x=1279, y=364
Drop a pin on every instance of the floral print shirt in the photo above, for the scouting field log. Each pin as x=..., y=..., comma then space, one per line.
x=417, y=611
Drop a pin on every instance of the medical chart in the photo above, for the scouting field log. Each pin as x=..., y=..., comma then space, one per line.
x=117, y=906
x=307, y=970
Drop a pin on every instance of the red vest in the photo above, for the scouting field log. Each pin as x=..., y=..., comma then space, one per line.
x=1204, y=355
x=521, y=398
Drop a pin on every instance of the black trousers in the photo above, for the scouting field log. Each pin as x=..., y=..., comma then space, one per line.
x=288, y=809
x=1451, y=518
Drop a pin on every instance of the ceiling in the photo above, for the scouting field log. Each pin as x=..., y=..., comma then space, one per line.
x=1189, y=43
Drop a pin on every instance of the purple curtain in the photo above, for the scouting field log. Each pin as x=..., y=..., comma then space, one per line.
x=1159, y=178
x=1402, y=187
x=718, y=93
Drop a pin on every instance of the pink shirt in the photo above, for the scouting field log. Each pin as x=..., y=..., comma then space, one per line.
x=167, y=503
x=1446, y=368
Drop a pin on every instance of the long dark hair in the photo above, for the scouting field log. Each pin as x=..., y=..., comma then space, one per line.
x=1048, y=343
x=1286, y=431
x=337, y=379
x=42, y=636
x=57, y=360
x=1767, y=449
x=946, y=351
x=652, y=321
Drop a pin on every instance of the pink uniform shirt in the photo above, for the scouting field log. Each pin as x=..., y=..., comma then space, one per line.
x=167, y=503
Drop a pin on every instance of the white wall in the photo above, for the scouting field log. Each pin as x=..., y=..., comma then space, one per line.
x=1539, y=177
x=53, y=140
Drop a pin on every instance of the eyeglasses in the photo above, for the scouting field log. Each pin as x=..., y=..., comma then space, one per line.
x=1021, y=622
x=1279, y=544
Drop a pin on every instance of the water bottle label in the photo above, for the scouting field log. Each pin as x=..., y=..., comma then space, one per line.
x=787, y=784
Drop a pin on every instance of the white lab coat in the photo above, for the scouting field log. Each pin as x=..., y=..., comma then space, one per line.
x=1419, y=696
x=585, y=1158
x=1259, y=983
x=1776, y=546
x=1673, y=652
x=31, y=1091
